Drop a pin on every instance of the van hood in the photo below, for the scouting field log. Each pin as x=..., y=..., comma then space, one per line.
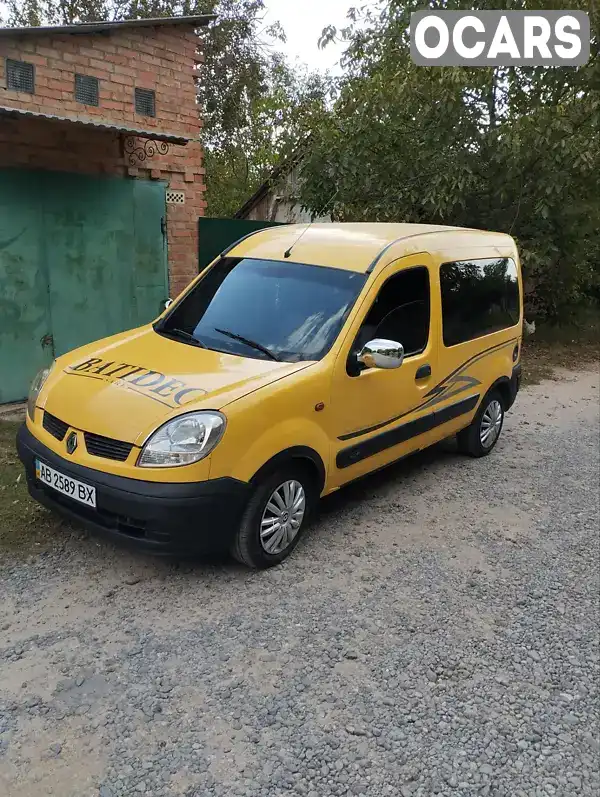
x=126, y=386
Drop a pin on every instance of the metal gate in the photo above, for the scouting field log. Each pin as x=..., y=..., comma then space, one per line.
x=81, y=258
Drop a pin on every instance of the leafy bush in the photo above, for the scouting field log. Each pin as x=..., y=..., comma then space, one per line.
x=510, y=149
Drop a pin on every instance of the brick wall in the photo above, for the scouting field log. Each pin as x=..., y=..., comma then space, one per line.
x=162, y=59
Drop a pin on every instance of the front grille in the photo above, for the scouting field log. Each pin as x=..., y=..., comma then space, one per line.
x=55, y=426
x=106, y=447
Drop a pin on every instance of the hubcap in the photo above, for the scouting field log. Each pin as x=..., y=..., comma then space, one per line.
x=491, y=423
x=282, y=517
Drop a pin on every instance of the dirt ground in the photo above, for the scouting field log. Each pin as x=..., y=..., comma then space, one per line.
x=435, y=633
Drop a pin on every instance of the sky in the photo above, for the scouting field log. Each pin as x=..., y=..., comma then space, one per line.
x=303, y=21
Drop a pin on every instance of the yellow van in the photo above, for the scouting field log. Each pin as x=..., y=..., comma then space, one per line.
x=300, y=360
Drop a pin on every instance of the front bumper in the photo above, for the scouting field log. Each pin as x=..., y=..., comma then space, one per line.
x=160, y=518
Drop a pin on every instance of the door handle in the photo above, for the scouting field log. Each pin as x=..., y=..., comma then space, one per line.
x=423, y=372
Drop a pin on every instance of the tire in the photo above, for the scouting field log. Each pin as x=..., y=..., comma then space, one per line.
x=489, y=419
x=260, y=552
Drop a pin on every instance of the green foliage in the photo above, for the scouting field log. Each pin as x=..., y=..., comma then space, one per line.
x=254, y=106
x=264, y=125
x=510, y=149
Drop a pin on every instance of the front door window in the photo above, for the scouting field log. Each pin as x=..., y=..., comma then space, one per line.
x=401, y=312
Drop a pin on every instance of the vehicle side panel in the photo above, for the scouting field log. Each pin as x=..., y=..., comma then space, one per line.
x=262, y=424
x=469, y=369
x=377, y=416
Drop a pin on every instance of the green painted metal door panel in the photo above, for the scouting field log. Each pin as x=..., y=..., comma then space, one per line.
x=150, y=273
x=215, y=235
x=24, y=311
x=106, y=258
x=81, y=258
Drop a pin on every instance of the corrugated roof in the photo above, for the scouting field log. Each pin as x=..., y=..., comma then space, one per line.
x=155, y=135
x=197, y=21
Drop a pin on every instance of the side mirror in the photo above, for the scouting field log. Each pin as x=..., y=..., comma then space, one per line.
x=381, y=353
x=168, y=303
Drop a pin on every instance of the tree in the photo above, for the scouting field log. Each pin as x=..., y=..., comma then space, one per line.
x=268, y=128
x=511, y=149
x=253, y=105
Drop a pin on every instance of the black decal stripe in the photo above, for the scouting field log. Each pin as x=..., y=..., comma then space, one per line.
x=456, y=410
x=87, y=376
x=393, y=437
x=436, y=394
x=375, y=445
x=460, y=383
x=471, y=361
x=471, y=383
x=125, y=386
x=361, y=432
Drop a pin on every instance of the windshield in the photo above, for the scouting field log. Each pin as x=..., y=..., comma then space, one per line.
x=265, y=309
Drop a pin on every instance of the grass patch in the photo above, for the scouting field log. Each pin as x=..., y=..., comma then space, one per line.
x=25, y=527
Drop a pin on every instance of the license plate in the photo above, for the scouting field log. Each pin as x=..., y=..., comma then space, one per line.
x=76, y=490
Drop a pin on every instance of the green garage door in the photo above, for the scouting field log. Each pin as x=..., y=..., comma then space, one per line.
x=80, y=258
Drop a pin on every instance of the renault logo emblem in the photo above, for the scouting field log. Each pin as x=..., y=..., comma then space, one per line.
x=72, y=442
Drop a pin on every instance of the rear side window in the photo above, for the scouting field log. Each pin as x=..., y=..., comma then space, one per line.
x=478, y=297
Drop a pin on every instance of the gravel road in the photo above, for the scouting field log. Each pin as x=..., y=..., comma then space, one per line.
x=437, y=633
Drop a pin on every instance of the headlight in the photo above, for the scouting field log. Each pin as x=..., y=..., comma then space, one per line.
x=34, y=390
x=183, y=440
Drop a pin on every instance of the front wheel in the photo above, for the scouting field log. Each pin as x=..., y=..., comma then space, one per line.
x=275, y=517
x=482, y=434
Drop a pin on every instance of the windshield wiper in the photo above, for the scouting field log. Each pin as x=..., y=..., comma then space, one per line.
x=181, y=333
x=252, y=343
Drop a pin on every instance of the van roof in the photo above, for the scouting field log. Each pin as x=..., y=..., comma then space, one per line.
x=358, y=246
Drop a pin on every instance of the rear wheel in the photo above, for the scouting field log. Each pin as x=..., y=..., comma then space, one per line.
x=275, y=517
x=482, y=434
